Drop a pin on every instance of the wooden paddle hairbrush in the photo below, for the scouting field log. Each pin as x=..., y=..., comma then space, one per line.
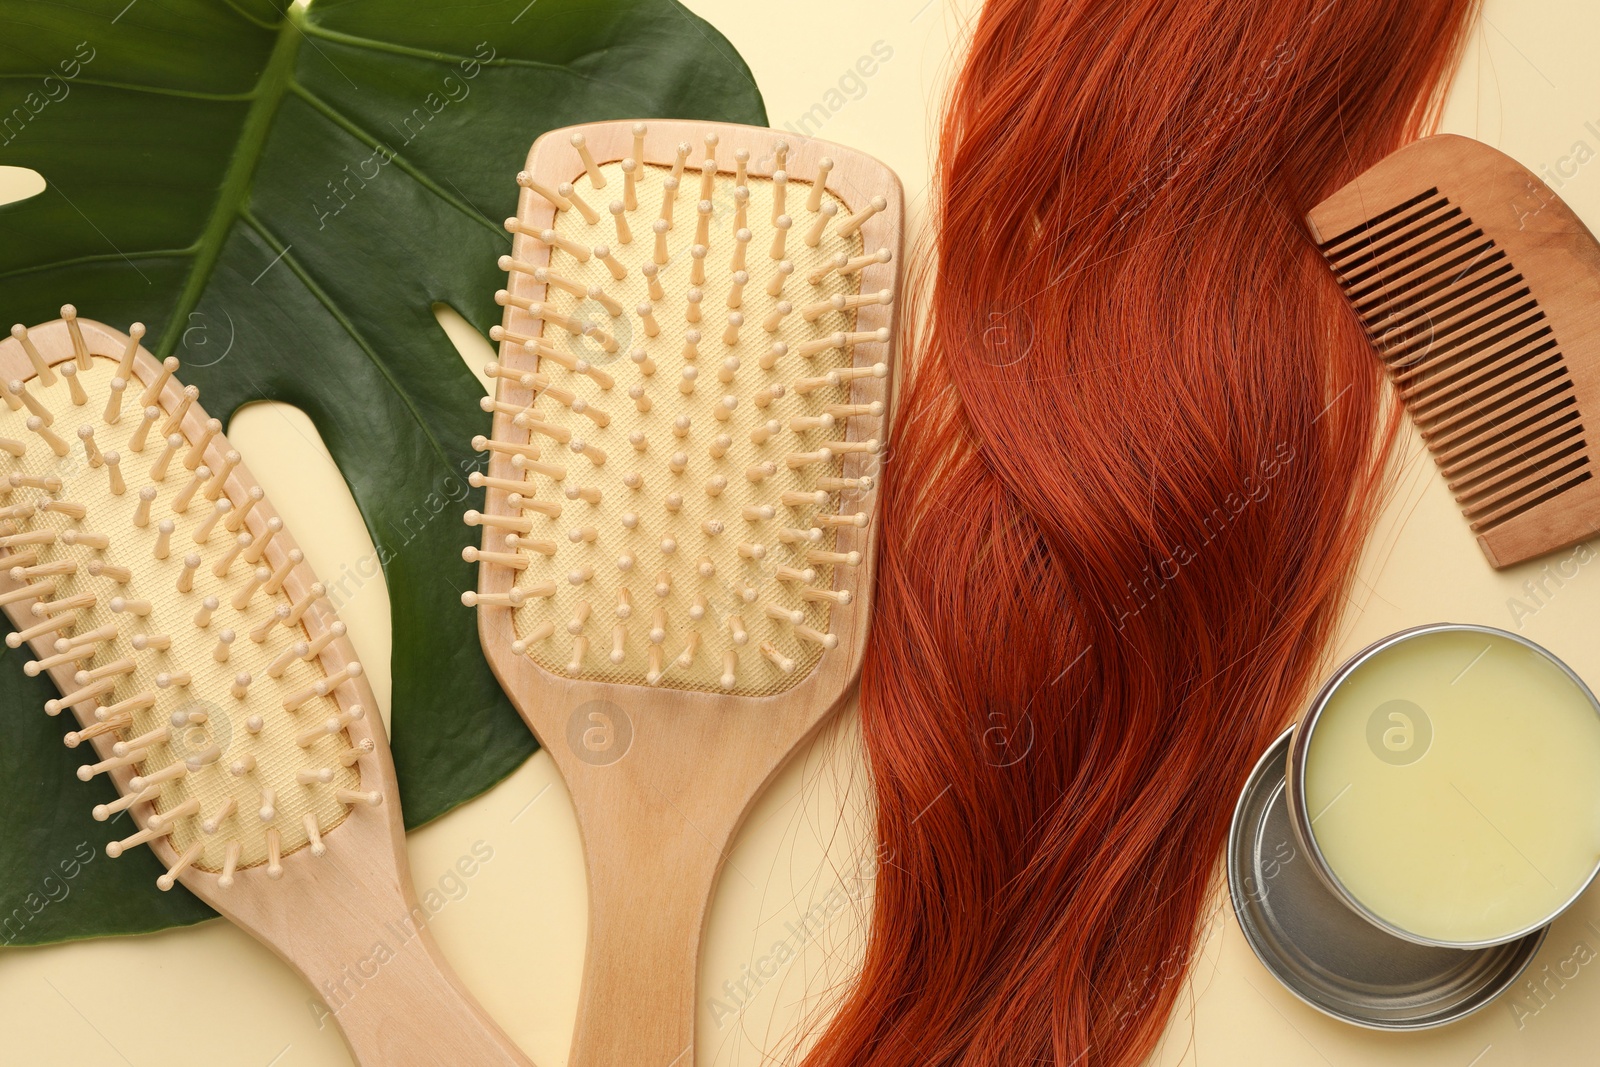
x=214, y=684
x=678, y=540
x=1480, y=290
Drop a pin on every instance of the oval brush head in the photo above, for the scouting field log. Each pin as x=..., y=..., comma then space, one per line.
x=688, y=412
x=156, y=586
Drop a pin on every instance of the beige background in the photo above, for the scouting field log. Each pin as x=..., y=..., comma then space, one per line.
x=1529, y=84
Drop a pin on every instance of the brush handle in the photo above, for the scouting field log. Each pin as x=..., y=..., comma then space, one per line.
x=651, y=868
x=349, y=924
x=398, y=1003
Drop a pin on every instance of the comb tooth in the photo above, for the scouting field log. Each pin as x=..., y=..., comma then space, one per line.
x=56, y=607
x=148, y=834
x=258, y=578
x=263, y=630
x=570, y=194
x=669, y=196
x=219, y=482
x=859, y=263
x=660, y=228
x=90, y=770
x=137, y=442
x=41, y=367
x=780, y=275
x=741, y=163
x=51, y=625
x=1516, y=485
x=596, y=179
x=113, y=462
x=730, y=669
x=682, y=150
x=598, y=333
x=171, y=817
x=152, y=392
x=57, y=445
x=624, y=233
x=1532, y=438
x=180, y=503
x=219, y=511
x=825, y=215
x=80, y=347
x=236, y=518
x=19, y=391
x=141, y=514
x=230, y=864
x=741, y=242
x=780, y=187
x=34, y=667
x=258, y=547
x=1564, y=477
x=174, y=680
x=163, y=545
x=86, y=538
x=114, y=669
x=702, y=227
x=775, y=318
x=197, y=450
x=213, y=822
x=779, y=236
x=69, y=371
x=64, y=507
x=190, y=395
x=158, y=471
x=74, y=738
x=274, y=842
x=849, y=226
x=1473, y=423
x=131, y=349
x=741, y=208
x=353, y=797
x=691, y=645
x=1460, y=328
x=630, y=191
x=1360, y=262
x=1439, y=365
x=181, y=864
x=113, y=410
x=580, y=650
x=1458, y=262
x=291, y=559
x=527, y=181
x=1435, y=402
x=202, y=617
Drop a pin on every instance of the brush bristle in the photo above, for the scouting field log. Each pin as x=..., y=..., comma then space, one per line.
x=1472, y=353
x=164, y=598
x=682, y=371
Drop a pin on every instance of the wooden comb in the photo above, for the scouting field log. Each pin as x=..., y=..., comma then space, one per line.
x=1478, y=288
x=208, y=673
x=678, y=539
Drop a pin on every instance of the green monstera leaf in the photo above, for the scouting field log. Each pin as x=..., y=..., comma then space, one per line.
x=283, y=195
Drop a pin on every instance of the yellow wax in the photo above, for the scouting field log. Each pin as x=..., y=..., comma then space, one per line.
x=1453, y=783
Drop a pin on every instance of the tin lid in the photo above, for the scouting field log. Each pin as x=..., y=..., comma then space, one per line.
x=1328, y=955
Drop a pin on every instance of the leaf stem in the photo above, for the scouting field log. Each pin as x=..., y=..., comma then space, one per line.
x=265, y=100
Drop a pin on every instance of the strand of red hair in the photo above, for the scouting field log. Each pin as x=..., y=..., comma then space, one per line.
x=1133, y=468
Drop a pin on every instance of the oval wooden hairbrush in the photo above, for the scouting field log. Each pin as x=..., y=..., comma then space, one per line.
x=1480, y=290
x=214, y=685
x=678, y=539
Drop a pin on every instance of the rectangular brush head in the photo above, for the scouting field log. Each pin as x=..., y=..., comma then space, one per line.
x=1477, y=287
x=691, y=398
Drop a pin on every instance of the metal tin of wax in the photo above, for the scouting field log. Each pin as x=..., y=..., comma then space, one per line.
x=1328, y=955
x=1300, y=819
